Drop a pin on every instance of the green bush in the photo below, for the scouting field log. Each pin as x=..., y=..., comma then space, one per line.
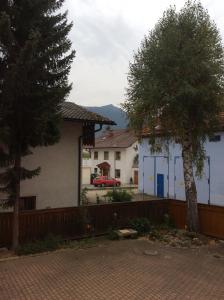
x=167, y=222
x=119, y=196
x=50, y=243
x=113, y=235
x=141, y=225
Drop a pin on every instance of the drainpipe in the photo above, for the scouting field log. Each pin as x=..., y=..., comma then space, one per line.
x=80, y=164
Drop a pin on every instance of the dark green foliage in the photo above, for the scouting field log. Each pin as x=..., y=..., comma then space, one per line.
x=83, y=196
x=35, y=60
x=119, y=196
x=177, y=79
x=168, y=222
x=141, y=225
x=50, y=243
x=113, y=235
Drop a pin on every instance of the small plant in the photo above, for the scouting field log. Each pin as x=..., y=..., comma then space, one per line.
x=83, y=196
x=50, y=243
x=97, y=199
x=167, y=222
x=141, y=225
x=119, y=196
x=113, y=235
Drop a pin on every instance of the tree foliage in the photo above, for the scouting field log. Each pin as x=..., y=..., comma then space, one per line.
x=35, y=60
x=176, y=79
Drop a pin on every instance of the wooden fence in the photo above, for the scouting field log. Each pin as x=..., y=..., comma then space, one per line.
x=73, y=222
x=211, y=217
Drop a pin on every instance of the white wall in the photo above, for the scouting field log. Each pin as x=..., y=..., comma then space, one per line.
x=124, y=164
x=57, y=184
x=212, y=192
x=86, y=173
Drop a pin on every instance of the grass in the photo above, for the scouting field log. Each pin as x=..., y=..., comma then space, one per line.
x=52, y=243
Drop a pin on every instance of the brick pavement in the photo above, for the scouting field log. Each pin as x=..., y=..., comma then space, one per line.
x=116, y=270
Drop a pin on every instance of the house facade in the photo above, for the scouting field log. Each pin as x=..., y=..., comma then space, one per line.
x=115, y=155
x=59, y=184
x=161, y=174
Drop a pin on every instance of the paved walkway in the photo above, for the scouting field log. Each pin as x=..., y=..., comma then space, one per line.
x=116, y=270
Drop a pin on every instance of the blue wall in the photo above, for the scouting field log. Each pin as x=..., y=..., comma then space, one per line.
x=210, y=187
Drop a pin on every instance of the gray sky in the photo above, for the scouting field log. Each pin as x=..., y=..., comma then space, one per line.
x=105, y=35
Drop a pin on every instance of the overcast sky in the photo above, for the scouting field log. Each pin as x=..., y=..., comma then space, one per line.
x=105, y=35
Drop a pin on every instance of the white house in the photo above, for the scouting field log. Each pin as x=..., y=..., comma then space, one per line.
x=161, y=174
x=116, y=155
x=58, y=184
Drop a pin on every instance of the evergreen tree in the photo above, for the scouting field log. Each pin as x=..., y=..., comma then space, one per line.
x=177, y=81
x=35, y=60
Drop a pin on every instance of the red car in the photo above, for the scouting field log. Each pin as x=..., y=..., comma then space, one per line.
x=106, y=181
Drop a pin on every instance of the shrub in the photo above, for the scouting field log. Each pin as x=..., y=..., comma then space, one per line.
x=113, y=235
x=50, y=243
x=119, y=196
x=141, y=225
x=83, y=196
x=167, y=222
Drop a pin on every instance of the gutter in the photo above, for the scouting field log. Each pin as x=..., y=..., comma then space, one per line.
x=80, y=163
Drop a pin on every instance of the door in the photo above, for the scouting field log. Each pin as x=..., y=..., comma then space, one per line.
x=160, y=185
x=202, y=183
x=135, y=177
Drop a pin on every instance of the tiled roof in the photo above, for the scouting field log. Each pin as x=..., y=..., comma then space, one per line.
x=72, y=111
x=120, y=138
x=159, y=130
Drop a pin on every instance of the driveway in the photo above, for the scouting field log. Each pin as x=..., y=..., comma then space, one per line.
x=129, y=269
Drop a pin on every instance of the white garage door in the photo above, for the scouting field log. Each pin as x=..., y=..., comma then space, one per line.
x=155, y=167
x=202, y=184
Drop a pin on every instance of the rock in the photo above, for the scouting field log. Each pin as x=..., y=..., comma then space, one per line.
x=150, y=252
x=217, y=256
x=167, y=257
x=127, y=233
x=196, y=241
x=212, y=242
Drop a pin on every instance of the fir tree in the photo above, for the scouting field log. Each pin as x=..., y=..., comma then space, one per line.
x=35, y=60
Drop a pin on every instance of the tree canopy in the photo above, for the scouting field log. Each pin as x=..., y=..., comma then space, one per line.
x=35, y=60
x=176, y=77
x=176, y=82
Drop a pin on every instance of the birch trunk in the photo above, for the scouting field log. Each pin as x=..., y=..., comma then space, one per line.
x=190, y=187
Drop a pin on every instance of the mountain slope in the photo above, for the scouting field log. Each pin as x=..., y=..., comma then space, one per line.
x=112, y=112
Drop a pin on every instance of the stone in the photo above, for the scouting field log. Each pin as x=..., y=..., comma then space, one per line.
x=127, y=233
x=150, y=252
x=216, y=255
x=212, y=242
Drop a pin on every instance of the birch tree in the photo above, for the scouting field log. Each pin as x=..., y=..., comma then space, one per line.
x=176, y=81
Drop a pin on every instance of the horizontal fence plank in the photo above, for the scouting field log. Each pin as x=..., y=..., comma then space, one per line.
x=74, y=222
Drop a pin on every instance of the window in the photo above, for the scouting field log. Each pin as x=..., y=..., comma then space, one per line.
x=215, y=138
x=117, y=155
x=27, y=203
x=106, y=155
x=117, y=173
x=95, y=155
